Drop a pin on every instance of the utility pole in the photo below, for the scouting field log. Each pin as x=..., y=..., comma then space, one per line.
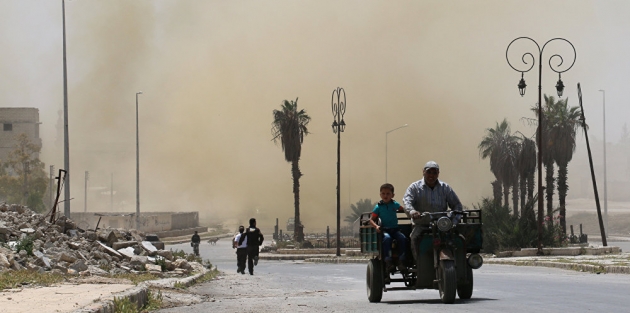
x=605, y=178
x=137, y=165
x=111, y=195
x=87, y=176
x=66, y=140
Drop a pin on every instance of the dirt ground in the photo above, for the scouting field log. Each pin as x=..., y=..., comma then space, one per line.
x=584, y=211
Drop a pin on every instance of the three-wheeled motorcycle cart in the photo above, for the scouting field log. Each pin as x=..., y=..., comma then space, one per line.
x=444, y=257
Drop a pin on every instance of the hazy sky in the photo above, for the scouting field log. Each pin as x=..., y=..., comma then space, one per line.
x=212, y=72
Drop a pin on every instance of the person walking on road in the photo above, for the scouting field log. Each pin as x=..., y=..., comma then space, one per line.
x=254, y=241
x=241, y=250
x=194, y=242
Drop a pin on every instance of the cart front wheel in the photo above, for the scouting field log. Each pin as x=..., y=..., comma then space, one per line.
x=374, y=280
x=447, y=281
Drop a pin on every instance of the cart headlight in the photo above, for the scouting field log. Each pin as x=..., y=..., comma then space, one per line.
x=444, y=223
x=475, y=261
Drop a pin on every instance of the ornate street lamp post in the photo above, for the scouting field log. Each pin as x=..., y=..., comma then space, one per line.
x=521, y=89
x=338, y=104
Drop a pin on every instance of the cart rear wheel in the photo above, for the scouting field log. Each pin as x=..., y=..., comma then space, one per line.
x=465, y=291
x=374, y=280
x=447, y=281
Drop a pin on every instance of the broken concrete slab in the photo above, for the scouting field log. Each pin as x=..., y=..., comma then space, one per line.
x=128, y=252
x=109, y=250
x=27, y=230
x=149, y=246
x=123, y=244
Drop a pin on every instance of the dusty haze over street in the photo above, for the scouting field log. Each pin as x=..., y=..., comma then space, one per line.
x=212, y=72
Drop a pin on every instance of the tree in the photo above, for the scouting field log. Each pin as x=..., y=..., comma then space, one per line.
x=563, y=124
x=500, y=146
x=548, y=152
x=362, y=206
x=22, y=177
x=289, y=127
x=526, y=167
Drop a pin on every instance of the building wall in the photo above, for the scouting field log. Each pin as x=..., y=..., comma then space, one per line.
x=15, y=121
x=149, y=221
x=184, y=220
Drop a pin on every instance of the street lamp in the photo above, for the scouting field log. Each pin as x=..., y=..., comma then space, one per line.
x=137, y=166
x=605, y=180
x=338, y=126
x=559, y=88
x=387, y=133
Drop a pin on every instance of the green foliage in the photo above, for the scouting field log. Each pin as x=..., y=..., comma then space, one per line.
x=190, y=257
x=179, y=285
x=502, y=148
x=154, y=301
x=125, y=305
x=207, y=264
x=208, y=276
x=362, y=206
x=35, y=201
x=14, y=279
x=25, y=244
x=161, y=262
x=503, y=231
x=22, y=177
x=179, y=254
x=136, y=278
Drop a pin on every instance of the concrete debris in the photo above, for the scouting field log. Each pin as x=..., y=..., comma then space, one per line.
x=64, y=248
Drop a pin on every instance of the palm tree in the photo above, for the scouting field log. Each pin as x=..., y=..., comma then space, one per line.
x=496, y=190
x=548, y=152
x=289, y=127
x=526, y=167
x=363, y=206
x=563, y=126
x=500, y=145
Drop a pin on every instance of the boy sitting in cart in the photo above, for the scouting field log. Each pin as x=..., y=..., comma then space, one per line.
x=386, y=210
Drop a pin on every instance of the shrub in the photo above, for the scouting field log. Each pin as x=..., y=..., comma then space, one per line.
x=503, y=231
x=26, y=244
x=161, y=262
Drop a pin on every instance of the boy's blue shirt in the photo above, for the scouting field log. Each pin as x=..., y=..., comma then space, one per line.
x=387, y=213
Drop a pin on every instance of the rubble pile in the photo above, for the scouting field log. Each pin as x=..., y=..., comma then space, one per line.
x=64, y=248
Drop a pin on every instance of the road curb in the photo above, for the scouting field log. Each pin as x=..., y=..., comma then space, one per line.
x=140, y=294
x=336, y=260
x=613, y=269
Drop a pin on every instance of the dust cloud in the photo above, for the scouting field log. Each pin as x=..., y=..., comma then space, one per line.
x=212, y=72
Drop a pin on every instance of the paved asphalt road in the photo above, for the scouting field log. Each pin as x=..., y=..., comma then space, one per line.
x=306, y=287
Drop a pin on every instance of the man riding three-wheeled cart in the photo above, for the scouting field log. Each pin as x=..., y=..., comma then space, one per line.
x=444, y=243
